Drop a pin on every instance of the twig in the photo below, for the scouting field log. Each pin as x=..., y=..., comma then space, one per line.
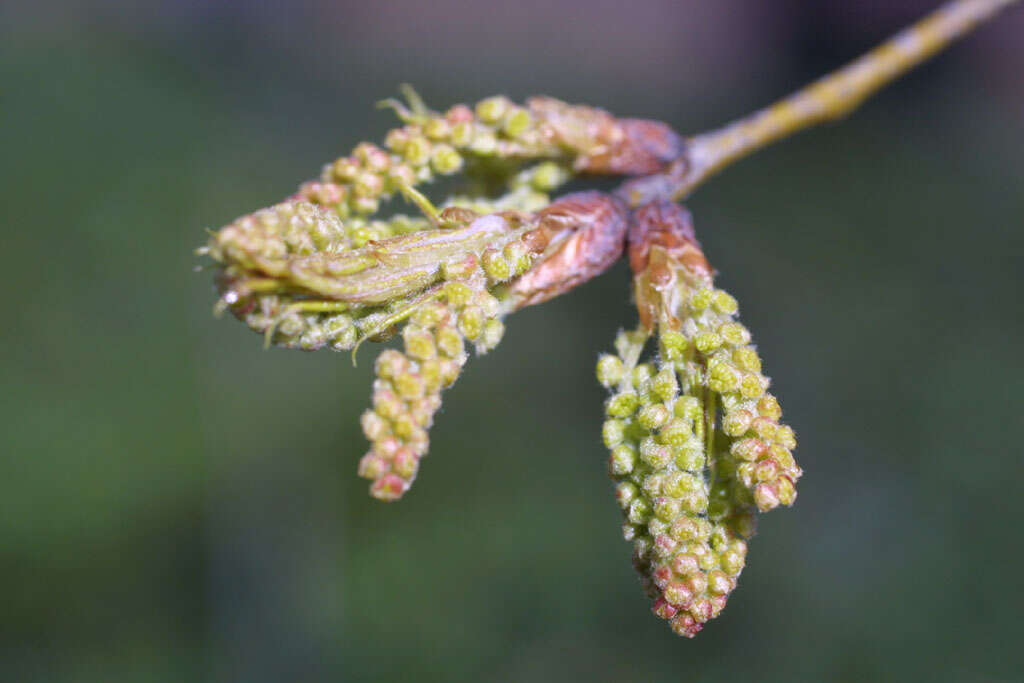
x=829, y=98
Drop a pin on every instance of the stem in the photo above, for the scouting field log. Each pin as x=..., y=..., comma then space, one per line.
x=827, y=99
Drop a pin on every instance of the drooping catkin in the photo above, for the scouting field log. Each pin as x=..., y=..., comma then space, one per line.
x=696, y=446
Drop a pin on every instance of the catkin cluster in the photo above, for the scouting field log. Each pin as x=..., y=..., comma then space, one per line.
x=696, y=445
x=327, y=269
x=493, y=136
x=293, y=273
x=407, y=390
x=688, y=554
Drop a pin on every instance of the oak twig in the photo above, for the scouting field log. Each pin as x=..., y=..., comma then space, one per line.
x=827, y=99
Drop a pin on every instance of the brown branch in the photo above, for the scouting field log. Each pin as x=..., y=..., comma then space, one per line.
x=828, y=99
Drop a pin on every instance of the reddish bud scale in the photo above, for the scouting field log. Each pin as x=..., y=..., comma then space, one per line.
x=587, y=230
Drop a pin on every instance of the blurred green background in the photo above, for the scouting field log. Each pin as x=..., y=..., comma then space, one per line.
x=177, y=504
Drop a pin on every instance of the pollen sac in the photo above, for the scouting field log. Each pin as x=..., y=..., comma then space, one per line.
x=696, y=445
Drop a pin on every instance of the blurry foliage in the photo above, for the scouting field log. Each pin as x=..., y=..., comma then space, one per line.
x=177, y=504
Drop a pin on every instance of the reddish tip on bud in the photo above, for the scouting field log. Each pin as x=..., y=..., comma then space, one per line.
x=388, y=488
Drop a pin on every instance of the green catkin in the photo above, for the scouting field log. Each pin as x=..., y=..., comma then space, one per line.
x=284, y=271
x=689, y=560
x=495, y=134
x=696, y=446
x=407, y=391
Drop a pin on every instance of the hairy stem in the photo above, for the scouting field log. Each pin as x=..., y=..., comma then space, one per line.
x=827, y=99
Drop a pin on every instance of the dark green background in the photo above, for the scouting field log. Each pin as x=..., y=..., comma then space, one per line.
x=177, y=504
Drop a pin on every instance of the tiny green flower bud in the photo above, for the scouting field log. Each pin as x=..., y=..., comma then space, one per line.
x=396, y=139
x=449, y=341
x=764, y=428
x=389, y=363
x=786, y=491
x=784, y=435
x=517, y=122
x=368, y=184
x=623, y=459
x=518, y=256
x=345, y=169
x=666, y=508
x=684, y=565
x=419, y=343
x=642, y=373
x=492, y=109
x=622, y=405
x=458, y=294
x=431, y=372
x=374, y=426
x=690, y=456
x=609, y=370
x=484, y=142
x=612, y=432
x=653, y=483
x=722, y=377
x=389, y=487
x=688, y=407
x=748, y=449
x=625, y=494
x=437, y=129
x=372, y=466
x=766, y=497
x=768, y=406
x=724, y=302
x=409, y=385
x=732, y=561
x=639, y=511
x=695, y=502
x=446, y=160
x=493, y=331
x=417, y=151
x=737, y=422
x=547, y=176
x=675, y=432
x=752, y=386
x=734, y=334
x=747, y=359
x=386, y=404
x=495, y=265
x=707, y=342
x=654, y=454
x=462, y=134
x=664, y=384
x=652, y=417
x=365, y=205
x=405, y=463
x=701, y=299
x=679, y=484
x=471, y=322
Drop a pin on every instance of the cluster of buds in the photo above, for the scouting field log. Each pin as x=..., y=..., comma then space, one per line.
x=295, y=274
x=494, y=136
x=322, y=270
x=407, y=391
x=688, y=480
